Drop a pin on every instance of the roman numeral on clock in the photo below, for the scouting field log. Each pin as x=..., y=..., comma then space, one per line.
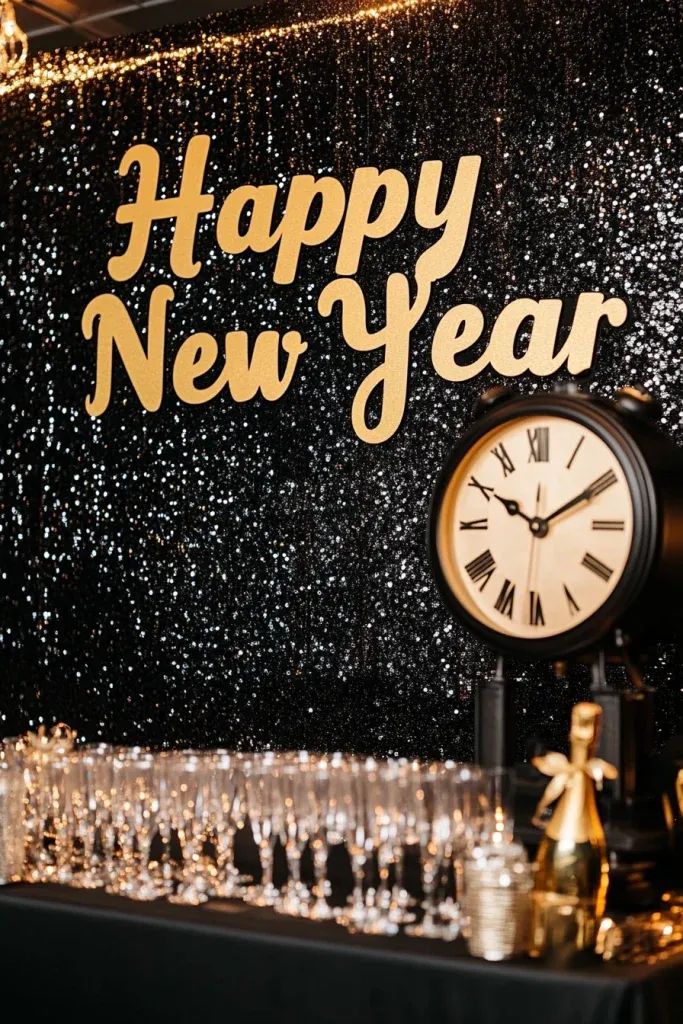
x=506, y=599
x=596, y=566
x=506, y=462
x=481, y=568
x=608, y=524
x=576, y=451
x=573, y=606
x=473, y=482
x=535, y=609
x=602, y=483
x=539, y=443
x=475, y=524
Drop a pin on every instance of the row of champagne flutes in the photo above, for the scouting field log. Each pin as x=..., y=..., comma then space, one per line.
x=149, y=825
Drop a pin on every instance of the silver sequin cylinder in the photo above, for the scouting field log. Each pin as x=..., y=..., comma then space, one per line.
x=499, y=883
x=11, y=822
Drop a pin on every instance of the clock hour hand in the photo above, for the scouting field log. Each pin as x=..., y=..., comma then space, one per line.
x=512, y=507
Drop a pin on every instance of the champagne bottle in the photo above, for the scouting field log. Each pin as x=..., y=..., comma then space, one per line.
x=573, y=870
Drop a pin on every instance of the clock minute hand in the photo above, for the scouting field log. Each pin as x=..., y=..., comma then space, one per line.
x=584, y=496
x=512, y=507
x=592, y=491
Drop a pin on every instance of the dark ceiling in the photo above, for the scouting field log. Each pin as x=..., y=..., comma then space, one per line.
x=54, y=23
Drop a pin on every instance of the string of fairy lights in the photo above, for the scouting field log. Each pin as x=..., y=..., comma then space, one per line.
x=78, y=68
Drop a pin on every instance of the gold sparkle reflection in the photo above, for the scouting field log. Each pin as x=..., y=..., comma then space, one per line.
x=77, y=68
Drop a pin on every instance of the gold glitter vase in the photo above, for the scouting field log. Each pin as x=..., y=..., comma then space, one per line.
x=572, y=860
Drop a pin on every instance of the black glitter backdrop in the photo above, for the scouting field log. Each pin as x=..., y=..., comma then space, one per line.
x=255, y=574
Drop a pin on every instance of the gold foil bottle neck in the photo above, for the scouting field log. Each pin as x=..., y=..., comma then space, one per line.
x=585, y=727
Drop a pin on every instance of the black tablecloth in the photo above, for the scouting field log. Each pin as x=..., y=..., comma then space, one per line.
x=67, y=955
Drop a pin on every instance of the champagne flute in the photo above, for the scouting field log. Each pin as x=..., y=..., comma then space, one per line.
x=432, y=825
x=264, y=817
x=84, y=806
x=227, y=799
x=319, y=797
x=58, y=773
x=140, y=782
x=382, y=794
x=352, y=820
x=295, y=822
x=190, y=794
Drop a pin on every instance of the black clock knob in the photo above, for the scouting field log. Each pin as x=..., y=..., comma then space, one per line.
x=634, y=400
x=567, y=387
x=492, y=397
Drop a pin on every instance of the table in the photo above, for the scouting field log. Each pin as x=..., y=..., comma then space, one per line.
x=73, y=955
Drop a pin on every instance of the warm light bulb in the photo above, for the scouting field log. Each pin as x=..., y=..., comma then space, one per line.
x=13, y=39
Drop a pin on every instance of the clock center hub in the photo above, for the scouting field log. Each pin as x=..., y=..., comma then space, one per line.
x=538, y=526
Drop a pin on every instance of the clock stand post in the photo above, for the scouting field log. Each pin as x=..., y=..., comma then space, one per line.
x=636, y=827
x=627, y=735
x=494, y=745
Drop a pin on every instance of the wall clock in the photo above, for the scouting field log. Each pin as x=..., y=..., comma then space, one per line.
x=556, y=523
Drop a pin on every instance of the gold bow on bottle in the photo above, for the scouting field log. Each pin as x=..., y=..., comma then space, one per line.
x=562, y=769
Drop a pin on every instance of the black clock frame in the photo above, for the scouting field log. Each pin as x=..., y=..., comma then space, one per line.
x=601, y=417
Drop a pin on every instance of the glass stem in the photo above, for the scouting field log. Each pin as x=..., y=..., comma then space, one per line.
x=398, y=892
x=230, y=868
x=63, y=850
x=167, y=871
x=266, y=864
x=384, y=860
x=222, y=852
x=358, y=899
x=320, y=883
x=87, y=833
x=144, y=849
x=110, y=851
x=429, y=885
x=294, y=864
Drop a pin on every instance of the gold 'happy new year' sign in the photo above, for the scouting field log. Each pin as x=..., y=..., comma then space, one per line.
x=315, y=210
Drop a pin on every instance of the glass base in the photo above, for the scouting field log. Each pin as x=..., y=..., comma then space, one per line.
x=147, y=893
x=188, y=896
x=450, y=910
x=294, y=906
x=86, y=880
x=230, y=889
x=427, y=930
x=321, y=911
x=353, y=917
x=60, y=875
x=400, y=915
x=262, y=895
x=379, y=926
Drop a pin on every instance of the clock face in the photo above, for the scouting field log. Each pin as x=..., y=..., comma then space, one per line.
x=535, y=528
